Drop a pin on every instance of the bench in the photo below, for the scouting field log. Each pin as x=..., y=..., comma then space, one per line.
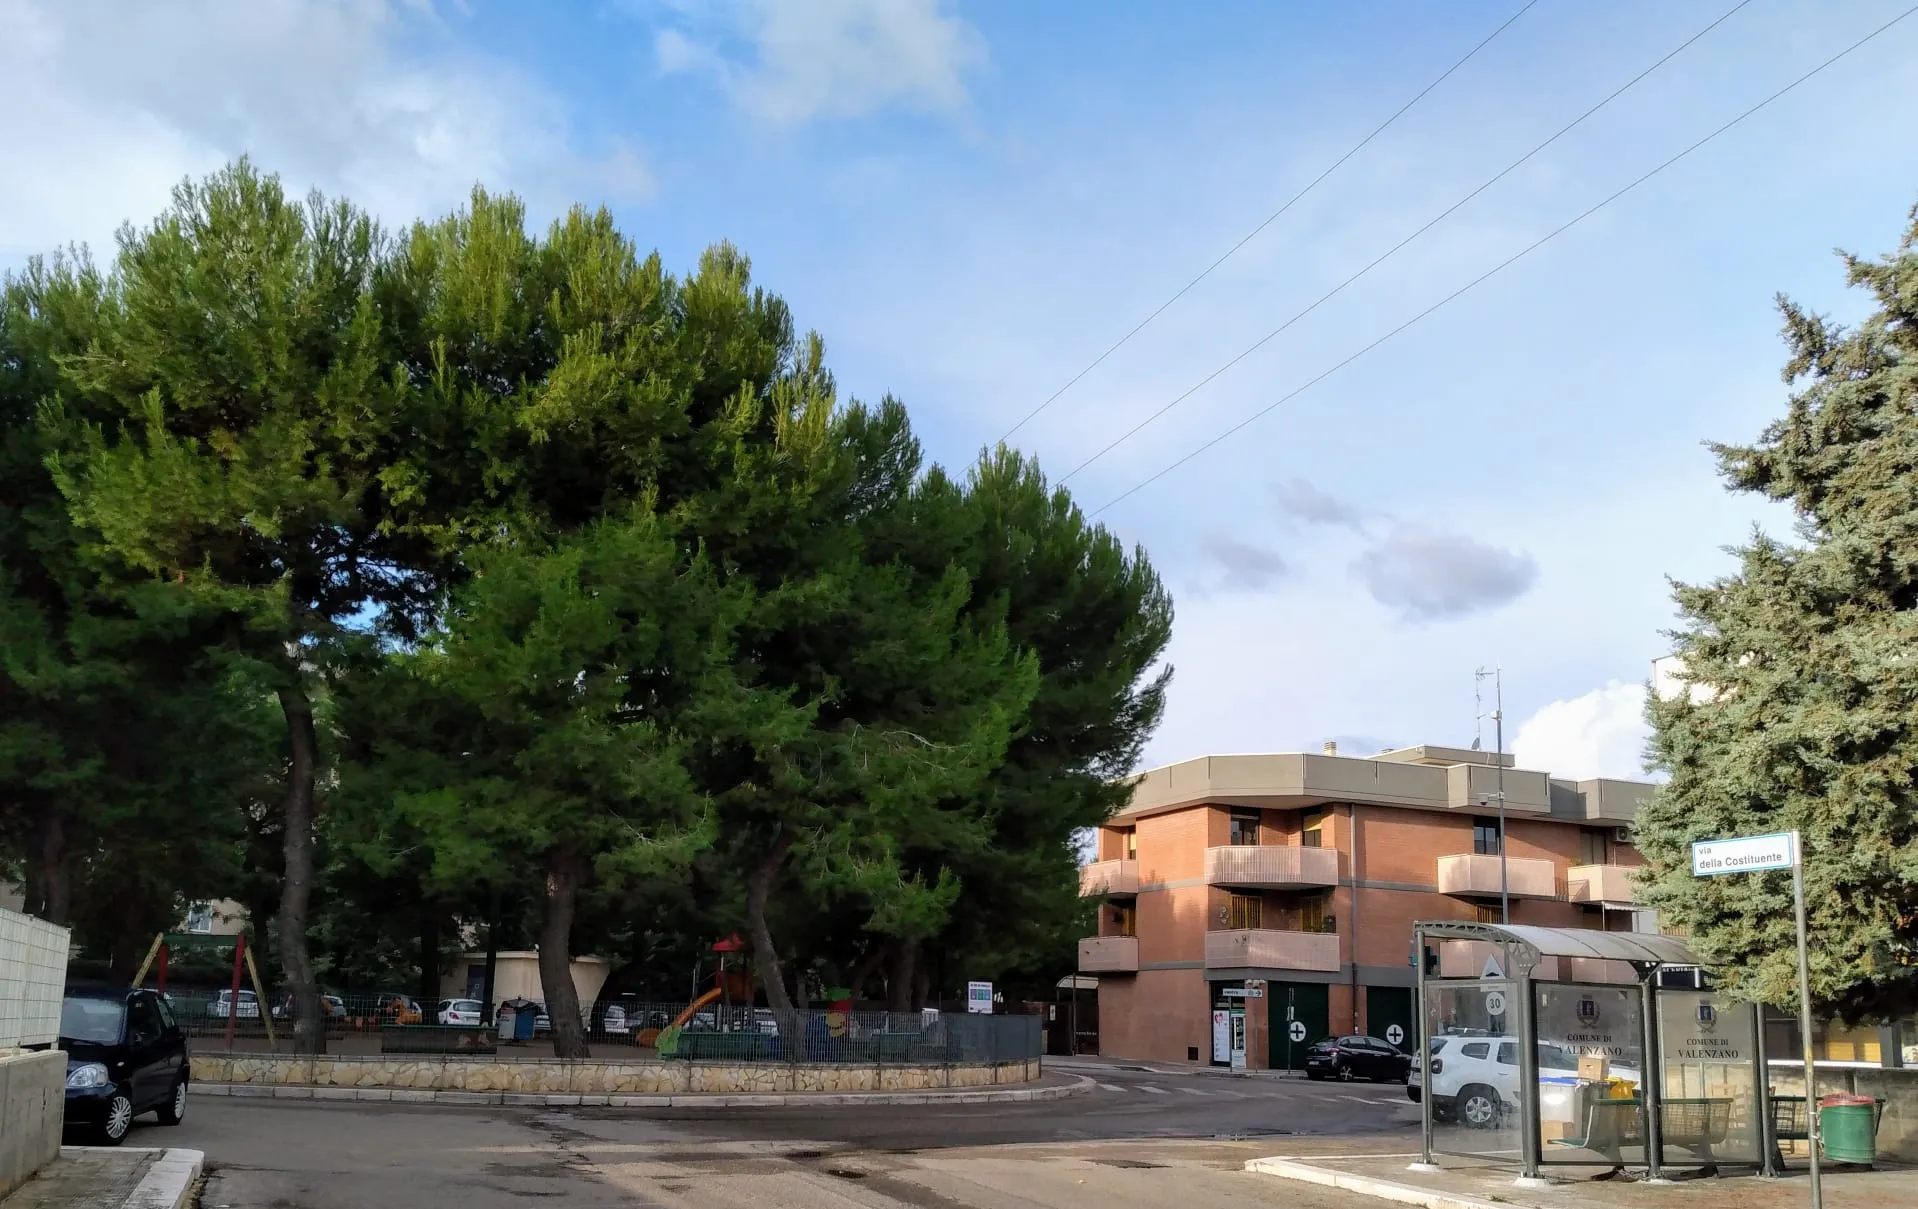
x=435, y=1039
x=1610, y=1126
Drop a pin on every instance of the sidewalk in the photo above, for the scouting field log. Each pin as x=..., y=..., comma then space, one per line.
x=1470, y=1184
x=126, y=1177
x=1048, y=1087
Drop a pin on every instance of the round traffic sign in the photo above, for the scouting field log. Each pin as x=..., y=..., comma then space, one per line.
x=1394, y=1034
x=1297, y=1030
x=1495, y=1002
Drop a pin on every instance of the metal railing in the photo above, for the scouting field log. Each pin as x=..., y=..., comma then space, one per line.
x=636, y=1029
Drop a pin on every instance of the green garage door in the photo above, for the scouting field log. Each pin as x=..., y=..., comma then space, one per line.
x=1299, y=1016
x=1388, y=1016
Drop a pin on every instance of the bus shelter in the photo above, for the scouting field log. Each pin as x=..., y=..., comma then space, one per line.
x=1567, y=1047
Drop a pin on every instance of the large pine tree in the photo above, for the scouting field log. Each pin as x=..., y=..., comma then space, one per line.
x=1804, y=707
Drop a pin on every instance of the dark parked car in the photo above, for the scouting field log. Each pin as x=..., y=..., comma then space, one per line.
x=126, y=1054
x=1357, y=1058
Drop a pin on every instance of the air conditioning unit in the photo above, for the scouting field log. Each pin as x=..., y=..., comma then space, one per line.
x=1621, y=835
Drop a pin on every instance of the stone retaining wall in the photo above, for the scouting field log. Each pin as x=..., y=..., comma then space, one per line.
x=33, y=1103
x=588, y=1077
x=1897, y=1128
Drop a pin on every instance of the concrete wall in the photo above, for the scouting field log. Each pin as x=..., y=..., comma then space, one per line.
x=1898, y=1088
x=33, y=1090
x=33, y=979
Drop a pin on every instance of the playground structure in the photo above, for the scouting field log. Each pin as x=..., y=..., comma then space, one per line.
x=161, y=950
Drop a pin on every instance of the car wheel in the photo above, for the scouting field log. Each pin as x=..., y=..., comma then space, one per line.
x=174, y=1110
x=1478, y=1107
x=1344, y=1072
x=118, y=1120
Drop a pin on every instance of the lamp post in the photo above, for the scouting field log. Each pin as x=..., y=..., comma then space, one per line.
x=1498, y=740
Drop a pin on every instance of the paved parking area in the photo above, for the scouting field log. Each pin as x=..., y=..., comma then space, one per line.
x=1143, y=1139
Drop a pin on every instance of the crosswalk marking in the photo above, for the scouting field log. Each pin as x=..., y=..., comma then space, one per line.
x=1111, y=1087
x=1157, y=1091
x=1193, y=1091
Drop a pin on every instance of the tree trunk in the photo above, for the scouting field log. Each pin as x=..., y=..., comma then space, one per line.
x=921, y=984
x=49, y=874
x=429, y=985
x=556, y=953
x=759, y=886
x=899, y=977
x=863, y=972
x=296, y=886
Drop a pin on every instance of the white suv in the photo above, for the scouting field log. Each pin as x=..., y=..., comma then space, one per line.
x=1475, y=1078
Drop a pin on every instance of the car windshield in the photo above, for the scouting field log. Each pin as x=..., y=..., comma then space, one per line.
x=1556, y=1057
x=98, y=1021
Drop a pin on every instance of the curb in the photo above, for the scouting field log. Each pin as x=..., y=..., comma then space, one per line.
x=1365, y=1185
x=1082, y=1085
x=169, y=1182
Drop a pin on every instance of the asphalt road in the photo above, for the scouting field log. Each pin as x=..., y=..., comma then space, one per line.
x=1142, y=1137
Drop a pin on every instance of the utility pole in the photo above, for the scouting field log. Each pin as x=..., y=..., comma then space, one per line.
x=1498, y=731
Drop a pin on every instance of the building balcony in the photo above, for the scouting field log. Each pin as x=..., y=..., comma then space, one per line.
x=1114, y=879
x=1271, y=949
x=1109, y=955
x=1271, y=866
x=1600, y=884
x=1472, y=875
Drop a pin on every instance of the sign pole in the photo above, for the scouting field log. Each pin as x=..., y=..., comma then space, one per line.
x=1804, y=1020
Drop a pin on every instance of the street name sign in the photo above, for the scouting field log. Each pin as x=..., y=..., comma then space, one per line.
x=1748, y=855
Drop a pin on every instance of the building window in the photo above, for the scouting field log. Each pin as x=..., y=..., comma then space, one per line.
x=1244, y=911
x=1485, y=837
x=199, y=918
x=1487, y=913
x=1312, y=916
x=1591, y=847
x=1132, y=845
x=1125, y=919
x=1244, y=829
x=1312, y=831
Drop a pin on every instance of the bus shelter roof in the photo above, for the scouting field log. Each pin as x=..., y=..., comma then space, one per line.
x=1643, y=948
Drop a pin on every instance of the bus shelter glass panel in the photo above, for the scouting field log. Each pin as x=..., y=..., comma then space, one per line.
x=1470, y=1032
x=1591, y=1062
x=1711, y=1105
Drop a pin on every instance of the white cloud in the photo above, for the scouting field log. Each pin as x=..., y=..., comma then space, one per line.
x=1246, y=565
x=833, y=58
x=1601, y=734
x=110, y=105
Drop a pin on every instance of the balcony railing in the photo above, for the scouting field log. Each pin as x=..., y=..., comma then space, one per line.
x=1272, y=949
x=1109, y=955
x=1271, y=866
x=1116, y=879
x=1600, y=884
x=1472, y=875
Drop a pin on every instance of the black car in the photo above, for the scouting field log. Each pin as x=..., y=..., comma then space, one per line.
x=126, y=1054
x=1357, y=1058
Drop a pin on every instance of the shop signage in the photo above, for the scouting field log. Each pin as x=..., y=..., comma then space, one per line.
x=979, y=997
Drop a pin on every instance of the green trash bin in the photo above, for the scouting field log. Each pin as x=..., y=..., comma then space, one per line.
x=1848, y=1126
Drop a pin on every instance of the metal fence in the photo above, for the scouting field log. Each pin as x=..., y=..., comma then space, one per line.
x=736, y=1033
x=33, y=979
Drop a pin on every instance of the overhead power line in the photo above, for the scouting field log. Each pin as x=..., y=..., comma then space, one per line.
x=1270, y=219
x=1498, y=268
x=1394, y=250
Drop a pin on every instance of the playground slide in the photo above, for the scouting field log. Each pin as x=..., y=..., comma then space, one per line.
x=709, y=997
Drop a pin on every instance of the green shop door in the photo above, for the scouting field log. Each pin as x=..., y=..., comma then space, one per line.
x=1388, y=1016
x=1299, y=1015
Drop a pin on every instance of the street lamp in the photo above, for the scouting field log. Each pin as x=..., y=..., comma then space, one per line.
x=1498, y=724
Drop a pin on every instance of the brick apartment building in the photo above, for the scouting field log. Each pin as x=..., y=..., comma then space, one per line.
x=1264, y=901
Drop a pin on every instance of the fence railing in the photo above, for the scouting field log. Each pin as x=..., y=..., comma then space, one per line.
x=733, y=1033
x=33, y=979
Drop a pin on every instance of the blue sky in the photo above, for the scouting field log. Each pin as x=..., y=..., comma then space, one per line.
x=971, y=201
